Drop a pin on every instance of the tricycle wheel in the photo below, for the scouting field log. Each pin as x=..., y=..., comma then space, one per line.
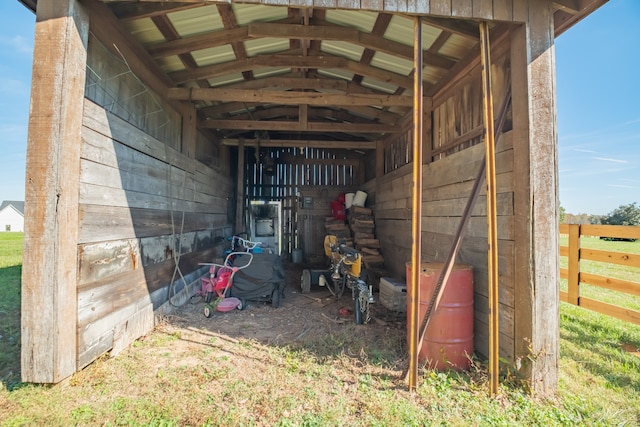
x=208, y=297
x=242, y=305
x=208, y=310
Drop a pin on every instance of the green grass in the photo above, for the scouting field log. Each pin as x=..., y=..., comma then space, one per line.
x=607, y=270
x=10, y=271
x=239, y=382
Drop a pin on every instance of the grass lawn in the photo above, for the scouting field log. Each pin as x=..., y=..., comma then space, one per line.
x=608, y=270
x=220, y=380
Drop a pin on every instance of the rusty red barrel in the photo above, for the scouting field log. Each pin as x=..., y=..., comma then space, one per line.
x=448, y=341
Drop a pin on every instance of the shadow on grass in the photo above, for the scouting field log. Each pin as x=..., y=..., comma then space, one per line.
x=10, y=326
x=602, y=350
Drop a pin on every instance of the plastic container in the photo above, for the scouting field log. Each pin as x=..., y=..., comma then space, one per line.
x=359, y=199
x=338, y=211
x=348, y=200
x=296, y=256
x=448, y=341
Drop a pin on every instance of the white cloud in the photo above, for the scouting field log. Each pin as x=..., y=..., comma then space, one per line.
x=19, y=44
x=608, y=159
x=622, y=186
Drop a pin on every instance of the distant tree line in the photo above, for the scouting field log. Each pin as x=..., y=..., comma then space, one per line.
x=622, y=215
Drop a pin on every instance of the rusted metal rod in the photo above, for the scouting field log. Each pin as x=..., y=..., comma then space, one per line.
x=457, y=240
x=416, y=204
x=492, y=216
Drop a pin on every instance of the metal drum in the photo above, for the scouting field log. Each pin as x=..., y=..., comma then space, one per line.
x=448, y=341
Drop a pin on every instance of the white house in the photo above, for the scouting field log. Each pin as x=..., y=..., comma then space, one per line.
x=12, y=216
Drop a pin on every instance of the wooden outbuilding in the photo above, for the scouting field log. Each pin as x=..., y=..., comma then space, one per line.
x=154, y=125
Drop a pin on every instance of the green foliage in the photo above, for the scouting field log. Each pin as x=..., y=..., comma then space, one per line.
x=623, y=215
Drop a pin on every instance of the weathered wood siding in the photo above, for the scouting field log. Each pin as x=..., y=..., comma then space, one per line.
x=143, y=206
x=321, y=174
x=502, y=10
x=456, y=151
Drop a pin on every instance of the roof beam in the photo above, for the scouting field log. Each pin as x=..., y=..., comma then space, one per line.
x=291, y=61
x=370, y=113
x=138, y=10
x=287, y=97
x=363, y=145
x=458, y=27
x=569, y=6
x=296, y=127
x=296, y=31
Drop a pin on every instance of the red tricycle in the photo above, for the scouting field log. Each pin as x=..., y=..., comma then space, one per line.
x=218, y=282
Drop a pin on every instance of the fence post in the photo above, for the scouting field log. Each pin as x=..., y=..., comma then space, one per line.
x=574, y=264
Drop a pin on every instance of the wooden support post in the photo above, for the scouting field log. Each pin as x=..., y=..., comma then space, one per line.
x=49, y=271
x=189, y=130
x=574, y=264
x=416, y=209
x=537, y=269
x=427, y=140
x=239, y=228
x=492, y=217
x=380, y=158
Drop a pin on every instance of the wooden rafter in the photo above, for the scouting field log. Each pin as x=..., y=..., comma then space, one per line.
x=379, y=28
x=372, y=41
x=290, y=61
x=229, y=22
x=296, y=127
x=139, y=10
x=287, y=97
x=362, y=145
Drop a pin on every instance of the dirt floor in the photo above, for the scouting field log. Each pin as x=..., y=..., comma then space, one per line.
x=299, y=316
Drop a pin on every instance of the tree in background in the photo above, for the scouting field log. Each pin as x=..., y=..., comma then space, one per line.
x=623, y=215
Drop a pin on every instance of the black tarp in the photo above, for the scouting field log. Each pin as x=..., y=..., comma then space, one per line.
x=260, y=279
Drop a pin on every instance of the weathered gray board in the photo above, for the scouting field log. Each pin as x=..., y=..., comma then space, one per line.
x=143, y=205
x=127, y=239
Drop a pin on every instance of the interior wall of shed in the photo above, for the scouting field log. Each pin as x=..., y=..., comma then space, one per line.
x=454, y=149
x=146, y=206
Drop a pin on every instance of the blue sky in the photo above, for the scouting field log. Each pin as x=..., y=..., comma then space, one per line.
x=598, y=87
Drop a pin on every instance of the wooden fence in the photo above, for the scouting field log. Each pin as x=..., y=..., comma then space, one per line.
x=575, y=277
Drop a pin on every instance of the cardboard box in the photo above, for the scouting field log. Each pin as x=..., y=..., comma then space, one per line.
x=393, y=294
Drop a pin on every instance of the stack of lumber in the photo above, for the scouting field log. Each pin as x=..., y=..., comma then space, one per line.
x=339, y=229
x=362, y=225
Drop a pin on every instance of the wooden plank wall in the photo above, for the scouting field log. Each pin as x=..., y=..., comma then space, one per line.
x=447, y=183
x=143, y=205
x=501, y=10
x=321, y=174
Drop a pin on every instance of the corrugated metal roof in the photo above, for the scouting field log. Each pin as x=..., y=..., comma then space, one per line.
x=361, y=20
x=196, y=21
x=213, y=46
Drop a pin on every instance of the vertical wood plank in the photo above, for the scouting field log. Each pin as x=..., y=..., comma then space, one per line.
x=503, y=10
x=440, y=7
x=535, y=151
x=544, y=188
x=189, y=130
x=462, y=8
x=523, y=282
x=427, y=130
x=379, y=159
x=574, y=264
x=240, y=189
x=483, y=9
x=49, y=272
